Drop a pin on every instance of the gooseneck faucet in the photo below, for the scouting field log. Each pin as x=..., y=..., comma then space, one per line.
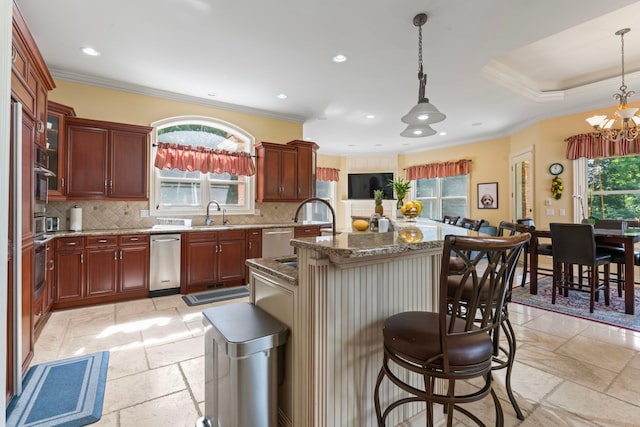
x=318, y=199
x=208, y=220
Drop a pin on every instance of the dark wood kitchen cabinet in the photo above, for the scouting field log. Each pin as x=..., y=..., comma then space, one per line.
x=254, y=248
x=212, y=259
x=285, y=172
x=69, y=260
x=102, y=268
x=56, y=114
x=106, y=160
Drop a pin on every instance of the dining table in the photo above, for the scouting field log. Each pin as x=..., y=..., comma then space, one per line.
x=627, y=238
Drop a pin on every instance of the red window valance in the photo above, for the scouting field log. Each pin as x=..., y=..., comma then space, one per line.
x=593, y=145
x=327, y=174
x=205, y=160
x=439, y=170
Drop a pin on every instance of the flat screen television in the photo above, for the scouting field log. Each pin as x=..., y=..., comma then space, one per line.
x=361, y=185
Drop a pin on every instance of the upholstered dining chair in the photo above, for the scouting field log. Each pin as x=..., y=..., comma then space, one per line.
x=616, y=251
x=427, y=353
x=451, y=220
x=541, y=249
x=574, y=244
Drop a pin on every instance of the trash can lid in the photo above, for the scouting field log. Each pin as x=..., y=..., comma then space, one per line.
x=245, y=328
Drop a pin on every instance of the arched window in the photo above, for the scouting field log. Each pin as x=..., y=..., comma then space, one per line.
x=188, y=192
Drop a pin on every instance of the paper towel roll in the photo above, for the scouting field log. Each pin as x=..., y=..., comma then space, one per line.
x=75, y=219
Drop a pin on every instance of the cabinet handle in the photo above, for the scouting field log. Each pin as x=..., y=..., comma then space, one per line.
x=115, y=256
x=71, y=243
x=14, y=54
x=220, y=246
x=40, y=126
x=102, y=241
x=111, y=185
x=81, y=258
x=134, y=239
x=62, y=182
x=105, y=186
x=249, y=245
x=120, y=254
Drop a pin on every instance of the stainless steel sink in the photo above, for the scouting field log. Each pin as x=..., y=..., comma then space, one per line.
x=290, y=261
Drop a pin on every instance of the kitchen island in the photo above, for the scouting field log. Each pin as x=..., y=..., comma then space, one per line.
x=334, y=301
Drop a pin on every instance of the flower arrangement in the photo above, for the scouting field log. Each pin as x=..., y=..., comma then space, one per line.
x=557, y=187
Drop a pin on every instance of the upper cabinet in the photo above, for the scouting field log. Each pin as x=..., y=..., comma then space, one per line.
x=285, y=172
x=57, y=113
x=106, y=160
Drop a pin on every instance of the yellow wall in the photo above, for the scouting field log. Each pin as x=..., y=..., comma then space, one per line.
x=489, y=163
x=98, y=103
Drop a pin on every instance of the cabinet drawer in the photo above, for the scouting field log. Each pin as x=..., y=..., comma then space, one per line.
x=133, y=239
x=70, y=243
x=202, y=236
x=101, y=241
x=254, y=232
x=307, y=231
x=231, y=235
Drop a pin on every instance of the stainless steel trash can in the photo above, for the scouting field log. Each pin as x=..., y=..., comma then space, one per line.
x=244, y=355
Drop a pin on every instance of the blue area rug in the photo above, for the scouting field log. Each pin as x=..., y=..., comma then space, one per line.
x=217, y=295
x=67, y=392
x=577, y=305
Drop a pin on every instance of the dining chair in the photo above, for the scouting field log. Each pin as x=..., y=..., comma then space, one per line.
x=452, y=220
x=616, y=251
x=541, y=249
x=471, y=224
x=574, y=244
x=427, y=353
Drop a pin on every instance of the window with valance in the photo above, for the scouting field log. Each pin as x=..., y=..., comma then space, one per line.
x=327, y=174
x=196, y=160
x=442, y=187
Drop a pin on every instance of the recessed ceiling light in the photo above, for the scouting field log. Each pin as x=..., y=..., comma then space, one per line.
x=339, y=58
x=90, y=51
x=370, y=116
x=282, y=96
x=442, y=133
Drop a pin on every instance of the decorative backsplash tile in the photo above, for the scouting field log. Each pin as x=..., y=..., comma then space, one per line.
x=101, y=215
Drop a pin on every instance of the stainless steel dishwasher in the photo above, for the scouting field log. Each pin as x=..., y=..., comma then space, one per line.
x=275, y=242
x=164, y=266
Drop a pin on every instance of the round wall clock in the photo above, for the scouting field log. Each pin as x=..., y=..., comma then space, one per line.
x=556, y=168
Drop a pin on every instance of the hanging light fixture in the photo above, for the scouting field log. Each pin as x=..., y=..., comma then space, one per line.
x=624, y=125
x=423, y=113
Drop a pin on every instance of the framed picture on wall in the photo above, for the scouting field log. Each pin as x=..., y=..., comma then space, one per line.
x=488, y=195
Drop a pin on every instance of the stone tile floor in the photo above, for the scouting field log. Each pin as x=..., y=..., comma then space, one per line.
x=568, y=371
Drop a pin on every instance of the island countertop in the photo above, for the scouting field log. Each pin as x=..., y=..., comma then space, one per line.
x=406, y=236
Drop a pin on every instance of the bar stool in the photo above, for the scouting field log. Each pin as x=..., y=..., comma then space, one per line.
x=455, y=343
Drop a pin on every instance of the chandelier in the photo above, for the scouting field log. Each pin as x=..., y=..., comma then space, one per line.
x=624, y=125
x=423, y=113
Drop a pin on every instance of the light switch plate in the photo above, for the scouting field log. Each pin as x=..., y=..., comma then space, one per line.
x=550, y=212
x=562, y=212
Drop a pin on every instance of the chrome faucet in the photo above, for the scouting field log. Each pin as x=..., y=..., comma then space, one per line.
x=317, y=199
x=208, y=220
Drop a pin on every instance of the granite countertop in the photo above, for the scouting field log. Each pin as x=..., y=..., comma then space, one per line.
x=406, y=236
x=168, y=229
x=276, y=267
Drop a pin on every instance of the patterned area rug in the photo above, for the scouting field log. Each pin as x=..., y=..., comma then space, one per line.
x=217, y=295
x=67, y=392
x=577, y=304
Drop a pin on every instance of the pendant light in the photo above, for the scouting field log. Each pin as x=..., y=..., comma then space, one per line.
x=423, y=113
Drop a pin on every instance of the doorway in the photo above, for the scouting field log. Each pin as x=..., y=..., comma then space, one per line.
x=522, y=185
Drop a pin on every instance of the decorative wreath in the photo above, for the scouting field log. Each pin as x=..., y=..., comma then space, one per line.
x=557, y=187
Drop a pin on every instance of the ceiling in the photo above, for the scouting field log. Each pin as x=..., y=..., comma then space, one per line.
x=493, y=66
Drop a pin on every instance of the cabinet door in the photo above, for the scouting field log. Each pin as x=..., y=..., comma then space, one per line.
x=69, y=275
x=306, y=172
x=41, y=116
x=28, y=259
x=254, y=248
x=134, y=268
x=56, y=114
x=289, y=174
x=102, y=271
x=129, y=165
x=87, y=149
x=201, y=263
x=50, y=277
x=28, y=133
x=231, y=262
x=270, y=174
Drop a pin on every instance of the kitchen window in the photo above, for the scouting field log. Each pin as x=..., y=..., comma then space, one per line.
x=188, y=192
x=443, y=196
x=318, y=211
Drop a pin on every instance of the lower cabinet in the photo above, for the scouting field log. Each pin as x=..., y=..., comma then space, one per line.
x=212, y=259
x=98, y=269
x=254, y=248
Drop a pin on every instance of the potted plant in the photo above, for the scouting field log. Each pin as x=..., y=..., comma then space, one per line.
x=401, y=187
x=377, y=198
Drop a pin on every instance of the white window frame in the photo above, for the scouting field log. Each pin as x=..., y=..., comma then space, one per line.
x=439, y=198
x=154, y=177
x=307, y=209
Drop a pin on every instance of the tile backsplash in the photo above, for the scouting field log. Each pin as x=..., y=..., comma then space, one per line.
x=102, y=215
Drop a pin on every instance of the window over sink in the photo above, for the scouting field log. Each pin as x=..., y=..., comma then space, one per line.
x=188, y=192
